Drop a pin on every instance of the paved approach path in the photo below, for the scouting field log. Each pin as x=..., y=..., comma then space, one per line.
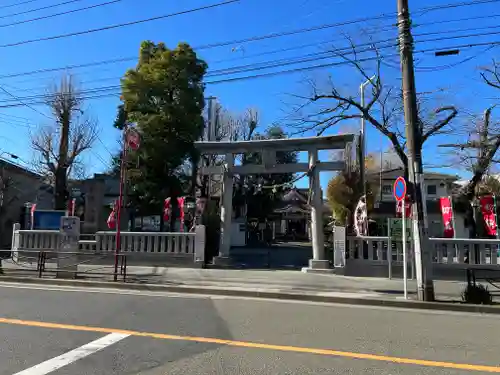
x=286, y=281
x=69, y=331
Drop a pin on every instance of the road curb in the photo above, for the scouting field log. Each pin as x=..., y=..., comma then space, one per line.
x=240, y=292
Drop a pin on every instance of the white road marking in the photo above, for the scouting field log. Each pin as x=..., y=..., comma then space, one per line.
x=74, y=355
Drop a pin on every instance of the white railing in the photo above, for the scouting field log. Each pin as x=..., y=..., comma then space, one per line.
x=170, y=243
x=38, y=239
x=444, y=250
x=48, y=240
x=457, y=250
x=148, y=242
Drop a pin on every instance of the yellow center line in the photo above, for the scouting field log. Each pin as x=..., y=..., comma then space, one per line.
x=243, y=344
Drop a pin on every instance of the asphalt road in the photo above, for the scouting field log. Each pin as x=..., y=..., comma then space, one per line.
x=75, y=332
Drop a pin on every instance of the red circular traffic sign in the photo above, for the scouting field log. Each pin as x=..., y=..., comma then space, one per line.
x=133, y=139
x=399, y=190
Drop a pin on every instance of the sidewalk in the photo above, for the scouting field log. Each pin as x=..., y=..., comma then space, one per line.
x=275, y=281
x=288, y=281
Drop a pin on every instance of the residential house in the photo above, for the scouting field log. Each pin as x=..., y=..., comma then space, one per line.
x=436, y=185
x=18, y=188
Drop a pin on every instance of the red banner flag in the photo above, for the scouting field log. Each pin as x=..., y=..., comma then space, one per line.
x=488, y=210
x=166, y=210
x=180, y=202
x=399, y=208
x=71, y=207
x=112, y=218
x=447, y=213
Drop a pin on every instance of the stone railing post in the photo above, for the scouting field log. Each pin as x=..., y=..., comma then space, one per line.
x=67, y=253
x=199, y=245
x=15, y=242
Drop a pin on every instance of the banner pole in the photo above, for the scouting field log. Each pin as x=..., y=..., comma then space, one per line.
x=405, y=265
x=453, y=217
x=496, y=222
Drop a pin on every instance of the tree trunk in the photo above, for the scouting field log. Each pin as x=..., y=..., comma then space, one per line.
x=62, y=163
x=195, y=159
x=60, y=189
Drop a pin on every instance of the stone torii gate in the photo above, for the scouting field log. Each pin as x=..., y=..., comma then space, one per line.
x=268, y=149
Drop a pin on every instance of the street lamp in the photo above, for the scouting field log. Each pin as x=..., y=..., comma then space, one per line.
x=362, y=140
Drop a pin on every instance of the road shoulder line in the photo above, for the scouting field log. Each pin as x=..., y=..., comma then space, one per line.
x=74, y=355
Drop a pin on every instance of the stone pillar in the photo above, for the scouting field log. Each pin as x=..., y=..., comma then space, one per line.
x=15, y=242
x=226, y=212
x=319, y=263
x=199, y=245
x=67, y=252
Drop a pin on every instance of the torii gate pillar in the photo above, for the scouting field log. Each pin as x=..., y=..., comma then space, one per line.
x=319, y=263
x=226, y=209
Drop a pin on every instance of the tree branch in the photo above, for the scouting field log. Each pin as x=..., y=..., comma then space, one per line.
x=440, y=124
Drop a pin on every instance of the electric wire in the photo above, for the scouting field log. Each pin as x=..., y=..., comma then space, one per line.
x=38, y=9
x=17, y=4
x=116, y=26
x=226, y=43
x=59, y=14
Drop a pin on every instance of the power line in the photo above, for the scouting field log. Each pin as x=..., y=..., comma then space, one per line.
x=21, y=101
x=105, y=147
x=287, y=61
x=454, y=65
x=465, y=19
x=454, y=5
x=17, y=4
x=120, y=25
x=240, y=41
x=456, y=36
x=60, y=14
x=457, y=30
x=218, y=44
x=38, y=9
x=249, y=67
x=69, y=67
x=102, y=92
x=113, y=90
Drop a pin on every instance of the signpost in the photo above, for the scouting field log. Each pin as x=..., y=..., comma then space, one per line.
x=400, y=195
x=395, y=227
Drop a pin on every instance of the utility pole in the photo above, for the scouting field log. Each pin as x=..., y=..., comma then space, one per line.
x=423, y=259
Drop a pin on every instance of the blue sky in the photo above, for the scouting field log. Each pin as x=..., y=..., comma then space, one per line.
x=247, y=18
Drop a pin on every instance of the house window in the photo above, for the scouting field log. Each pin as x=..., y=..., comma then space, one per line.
x=387, y=189
x=431, y=190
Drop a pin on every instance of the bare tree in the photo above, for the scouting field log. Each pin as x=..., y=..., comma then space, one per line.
x=478, y=152
x=59, y=146
x=492, y=75
x=383, y=109
x=229, y=127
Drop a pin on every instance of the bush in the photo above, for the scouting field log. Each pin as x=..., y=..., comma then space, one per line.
x=477, y=294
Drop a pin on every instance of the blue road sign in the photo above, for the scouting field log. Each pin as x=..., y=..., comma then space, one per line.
x=399, y=190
